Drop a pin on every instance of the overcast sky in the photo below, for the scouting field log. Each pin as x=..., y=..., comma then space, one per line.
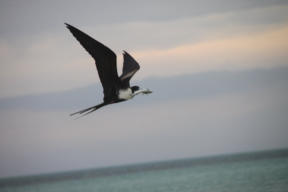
x=218, y=70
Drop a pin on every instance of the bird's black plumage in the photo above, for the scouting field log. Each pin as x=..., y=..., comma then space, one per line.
x=105, y=60
x=130, y=67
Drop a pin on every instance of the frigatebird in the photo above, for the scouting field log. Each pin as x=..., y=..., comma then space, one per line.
x=116, y=89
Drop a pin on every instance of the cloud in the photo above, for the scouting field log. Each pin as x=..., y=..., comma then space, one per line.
x=53, y=63
x=52, y=59
x=165, y=89
x=34, y=17
x=256, y=50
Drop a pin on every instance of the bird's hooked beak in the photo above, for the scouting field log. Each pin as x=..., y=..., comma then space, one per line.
x=143, y=91
x=147, y=91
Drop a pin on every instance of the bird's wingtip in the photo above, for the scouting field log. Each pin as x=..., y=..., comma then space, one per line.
x=68, y=25
x=126, y=53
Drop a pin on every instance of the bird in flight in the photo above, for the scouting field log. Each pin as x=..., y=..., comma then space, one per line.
x=116, y=89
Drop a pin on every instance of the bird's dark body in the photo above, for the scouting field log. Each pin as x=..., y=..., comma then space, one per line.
x=106, y=60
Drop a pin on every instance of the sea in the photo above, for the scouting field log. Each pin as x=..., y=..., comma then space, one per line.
x=265, y=171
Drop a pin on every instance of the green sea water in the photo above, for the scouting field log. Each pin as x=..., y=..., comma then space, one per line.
x=250, y=172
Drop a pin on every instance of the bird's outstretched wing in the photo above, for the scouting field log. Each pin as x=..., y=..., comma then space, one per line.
x=105, y=60
x=130, y=67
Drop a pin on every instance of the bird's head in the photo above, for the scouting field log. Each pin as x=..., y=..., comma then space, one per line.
x=134, y=88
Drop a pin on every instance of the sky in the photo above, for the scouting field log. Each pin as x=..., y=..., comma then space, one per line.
x=218, y=71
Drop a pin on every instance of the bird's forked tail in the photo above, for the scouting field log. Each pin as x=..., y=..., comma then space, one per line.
x=86, y=111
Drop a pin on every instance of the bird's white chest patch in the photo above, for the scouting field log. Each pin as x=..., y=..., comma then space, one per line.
x=125, y=94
